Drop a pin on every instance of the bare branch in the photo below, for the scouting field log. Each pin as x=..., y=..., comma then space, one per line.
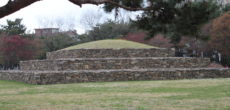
x=15, y=5
x=98, y=2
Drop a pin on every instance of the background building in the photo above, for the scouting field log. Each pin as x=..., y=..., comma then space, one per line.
x=45, y=32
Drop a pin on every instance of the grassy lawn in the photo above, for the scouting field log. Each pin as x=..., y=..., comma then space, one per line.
x=208, y=94
x=110, y=43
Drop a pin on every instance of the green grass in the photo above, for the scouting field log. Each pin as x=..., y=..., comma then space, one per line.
x=208, y=94
x=114, y=44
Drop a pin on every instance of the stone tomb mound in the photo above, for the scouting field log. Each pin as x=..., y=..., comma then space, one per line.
x=97, y=65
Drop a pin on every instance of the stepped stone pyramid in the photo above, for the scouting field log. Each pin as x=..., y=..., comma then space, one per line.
x=97, y=65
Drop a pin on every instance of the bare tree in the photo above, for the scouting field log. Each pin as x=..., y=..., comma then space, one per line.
x=63, y=23
x=90, y=20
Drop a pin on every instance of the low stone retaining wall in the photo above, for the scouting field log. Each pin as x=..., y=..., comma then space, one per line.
x=115, y=63
x=56, y=77
x=105, y=53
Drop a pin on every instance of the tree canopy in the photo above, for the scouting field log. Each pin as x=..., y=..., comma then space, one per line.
x=131, y=5
x=109, y=30
x=176, y=20
x=173, y=18
x=15, y=5
x=13, y=27
x=220, y=34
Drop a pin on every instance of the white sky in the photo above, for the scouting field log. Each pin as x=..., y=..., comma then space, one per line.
x=39, y=14
x=48, y=10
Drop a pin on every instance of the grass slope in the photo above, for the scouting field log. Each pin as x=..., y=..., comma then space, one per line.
x=208, y=94
x=115, y=44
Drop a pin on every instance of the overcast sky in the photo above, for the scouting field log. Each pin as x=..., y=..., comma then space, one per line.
x=39, y=14
x=35, y=15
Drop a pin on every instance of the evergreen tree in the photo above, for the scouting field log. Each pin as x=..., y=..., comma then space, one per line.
x=110, y=30
x=13, y=27
x=176, y=19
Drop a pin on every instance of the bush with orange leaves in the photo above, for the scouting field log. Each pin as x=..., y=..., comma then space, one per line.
x=220, y=34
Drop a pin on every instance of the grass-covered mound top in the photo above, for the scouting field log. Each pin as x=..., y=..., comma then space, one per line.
x=114, y=44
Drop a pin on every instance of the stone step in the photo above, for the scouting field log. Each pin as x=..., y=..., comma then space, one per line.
x=104, y=53
x=57, y=77
x=114, y=63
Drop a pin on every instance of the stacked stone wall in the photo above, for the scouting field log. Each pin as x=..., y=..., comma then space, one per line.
x=98, y=65
x=57, y=77
x=110, y=53
x=115, y=63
